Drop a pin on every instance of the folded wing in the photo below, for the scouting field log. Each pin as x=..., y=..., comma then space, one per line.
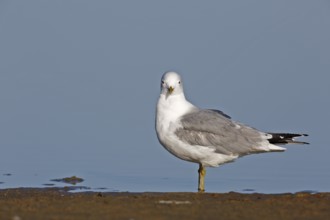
x=214, y=129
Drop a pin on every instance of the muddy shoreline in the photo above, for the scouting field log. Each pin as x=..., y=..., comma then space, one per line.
x=58, y=203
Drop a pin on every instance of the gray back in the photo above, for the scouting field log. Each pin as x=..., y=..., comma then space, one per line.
x=213, y=128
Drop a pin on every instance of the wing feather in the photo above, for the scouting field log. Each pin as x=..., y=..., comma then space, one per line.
x=213, y=128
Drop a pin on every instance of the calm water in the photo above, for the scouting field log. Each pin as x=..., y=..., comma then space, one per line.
x=78, y=93
x=217, y=180
x=113, y=183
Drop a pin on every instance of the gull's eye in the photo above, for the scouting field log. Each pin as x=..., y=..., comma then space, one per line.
x=163, y=82
x=179, y=82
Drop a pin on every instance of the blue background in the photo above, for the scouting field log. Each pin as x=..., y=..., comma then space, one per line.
x=79, y=81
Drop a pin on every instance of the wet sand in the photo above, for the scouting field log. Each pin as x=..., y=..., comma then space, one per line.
x=57, y=203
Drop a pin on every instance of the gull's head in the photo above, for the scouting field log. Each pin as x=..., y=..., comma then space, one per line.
x=171, y=84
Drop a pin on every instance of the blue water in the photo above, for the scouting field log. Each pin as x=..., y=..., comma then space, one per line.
x=217, y=180
x=78, y=93
x=112, y=183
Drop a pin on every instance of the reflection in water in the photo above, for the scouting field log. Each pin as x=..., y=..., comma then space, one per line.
x=48, y=184
x=102, y=182
x=70, y=180
x=248, y=190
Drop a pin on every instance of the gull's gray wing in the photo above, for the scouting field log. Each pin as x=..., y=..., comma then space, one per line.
x=213, y=128
x=220, y=112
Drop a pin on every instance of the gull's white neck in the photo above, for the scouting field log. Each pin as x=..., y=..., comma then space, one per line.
x=170, y=109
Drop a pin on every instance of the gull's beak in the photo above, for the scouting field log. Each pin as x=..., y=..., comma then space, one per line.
x=170, y=90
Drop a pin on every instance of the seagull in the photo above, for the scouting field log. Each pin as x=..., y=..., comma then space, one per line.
x=207, y=137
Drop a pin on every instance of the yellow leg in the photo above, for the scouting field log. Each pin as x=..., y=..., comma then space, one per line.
x=201, y=175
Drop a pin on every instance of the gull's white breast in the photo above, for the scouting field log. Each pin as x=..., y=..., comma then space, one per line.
x=169, y=112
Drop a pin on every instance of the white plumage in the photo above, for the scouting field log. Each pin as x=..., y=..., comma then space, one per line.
x=206, y=137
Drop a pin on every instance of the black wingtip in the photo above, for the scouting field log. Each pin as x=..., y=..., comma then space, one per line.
x=299, y=142
x=286, y=138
